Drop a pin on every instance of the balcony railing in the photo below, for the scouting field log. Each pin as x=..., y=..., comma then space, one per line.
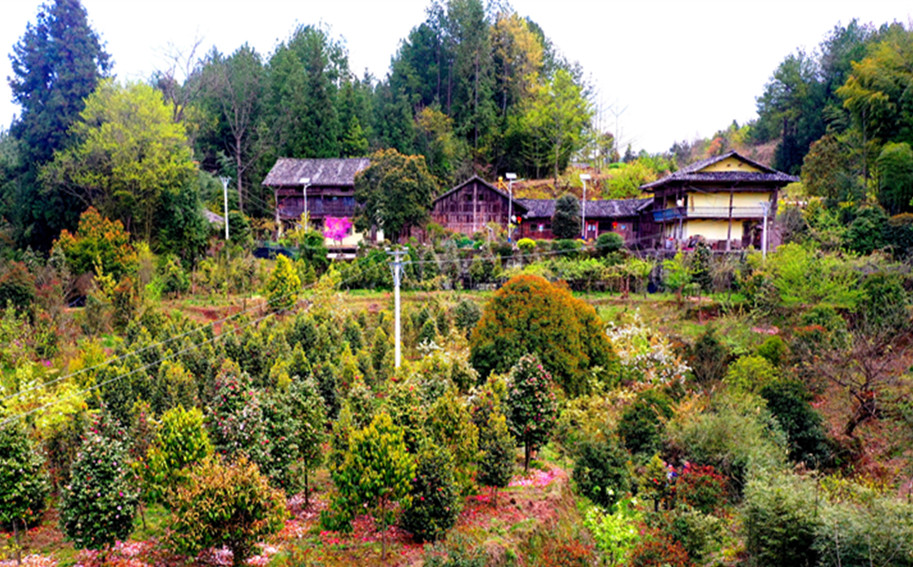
x=675, y=213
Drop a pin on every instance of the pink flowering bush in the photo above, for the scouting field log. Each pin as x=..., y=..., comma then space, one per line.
x=531, y=405
x=98, y=505
x=336, y=228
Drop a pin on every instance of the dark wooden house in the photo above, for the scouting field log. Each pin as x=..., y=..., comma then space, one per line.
x=624, y=216
x=469, y=207
x=324, y=187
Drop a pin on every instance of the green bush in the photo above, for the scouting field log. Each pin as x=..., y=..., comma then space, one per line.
x=709, y=358
x=615, y=532
x=228, y=504
x=97, y=507
x=175, y=280
x=789, y=402
x=774, y=349
x=751, y=373
x=497, y=452
x=17, y=287
x=466, y=315
x=435, y=496
x=734, y=436
x=601, y=472
x=526, y=245
x=450, y=425
x=642, y=423
x=609, y=242
x=875, y=531
x=780, y=521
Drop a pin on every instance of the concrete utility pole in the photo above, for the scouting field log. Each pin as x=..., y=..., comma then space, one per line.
x=583, y=177
x=397, y=266
x=225, y=182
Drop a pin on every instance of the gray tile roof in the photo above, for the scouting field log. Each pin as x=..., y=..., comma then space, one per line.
x=605, y=208
x=693, y=173
x=288, y=172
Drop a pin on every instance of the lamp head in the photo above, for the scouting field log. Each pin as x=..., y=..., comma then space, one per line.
x=585, y=177
x=510, y=176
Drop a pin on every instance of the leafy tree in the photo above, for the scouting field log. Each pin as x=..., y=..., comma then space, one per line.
x=23, y=480
x=98, y=505
x=676, y=274
x=450, y=425
x=497, y=453
x=709, y=358
x=895, y=174
x=601, y=472
x=435, y=496
x=98, y=242
x=779, y=524
x=642, y=423
x=395, y=193
x=308, y=417
x=557, y=114
x=566, y=221
x=128, y=152
x=530, y=315
x=181, y=228
x=225, y=503
x=376, y=471
x=531, y=406
x=56, y=64
x=282, y=286
x=180, y=442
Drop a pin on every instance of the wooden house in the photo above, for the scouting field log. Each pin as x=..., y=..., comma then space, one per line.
x=321, y=187
x=469, y=207
x=719, y=200
x=624, y=216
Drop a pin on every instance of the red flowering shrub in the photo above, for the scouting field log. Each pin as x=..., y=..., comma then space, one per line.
x=567, y=554
x=659, y=551
x=702, y=488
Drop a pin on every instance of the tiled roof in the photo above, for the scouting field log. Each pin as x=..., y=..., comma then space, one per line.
x=605, y=208
x=693, y=173
x=288, y=172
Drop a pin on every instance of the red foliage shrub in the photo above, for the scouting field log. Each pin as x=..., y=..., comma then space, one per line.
x=701, y=487
x=659, y=551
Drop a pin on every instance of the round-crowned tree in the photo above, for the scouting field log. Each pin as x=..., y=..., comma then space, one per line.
x=227, y=504
x=529, y=315
x=98, y=505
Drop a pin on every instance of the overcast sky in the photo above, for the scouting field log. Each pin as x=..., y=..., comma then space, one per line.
x=670, y=70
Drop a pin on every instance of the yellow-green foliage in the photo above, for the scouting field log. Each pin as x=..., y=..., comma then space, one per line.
x=229, y=504
x=282, y=286
x=180, y=442
x=450, y=424
x=751, y=373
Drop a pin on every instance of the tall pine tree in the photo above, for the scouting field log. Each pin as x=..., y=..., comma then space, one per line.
x=56, y=64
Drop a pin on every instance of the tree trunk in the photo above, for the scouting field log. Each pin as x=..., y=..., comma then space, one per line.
x=307, y=491
x=238, y=172
x=18, y=543
x=526, y=452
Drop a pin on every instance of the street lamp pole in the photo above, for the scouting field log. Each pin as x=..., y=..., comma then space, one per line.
x=583, y=177
x=510, y=202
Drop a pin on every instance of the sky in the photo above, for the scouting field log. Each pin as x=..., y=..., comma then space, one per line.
x=664, y=70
